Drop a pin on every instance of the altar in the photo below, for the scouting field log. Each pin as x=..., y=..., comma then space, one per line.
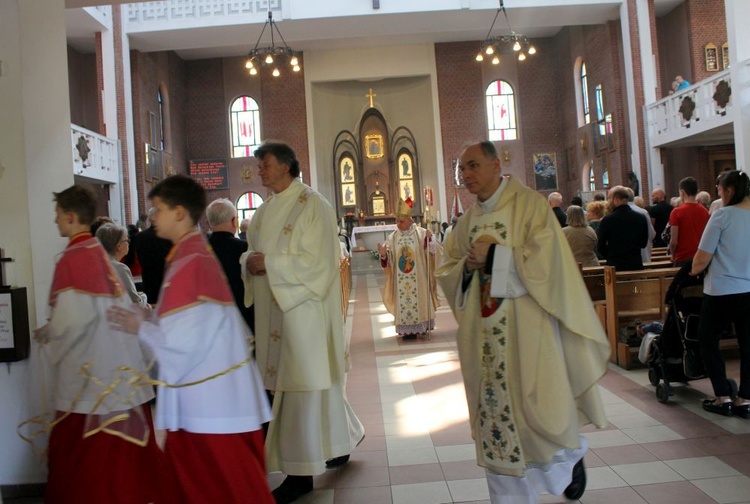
x=368, y=237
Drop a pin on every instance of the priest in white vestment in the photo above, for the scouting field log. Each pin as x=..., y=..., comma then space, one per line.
x=408, y=258
x=530, y=345
x=291, y=274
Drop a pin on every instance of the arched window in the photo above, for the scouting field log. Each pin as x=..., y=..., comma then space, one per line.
x=585, y=95
x=592, y=179
x=501, y=111
x=247, y=204
x=244, y=120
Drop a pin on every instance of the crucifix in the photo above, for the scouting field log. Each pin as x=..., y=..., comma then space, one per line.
x=371, y=95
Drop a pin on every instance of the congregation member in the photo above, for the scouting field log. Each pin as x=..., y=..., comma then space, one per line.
x=151, y=251
x=595, y=213
x=555, y=201
x=581, y=238
x=408, y=258
x=622, y=233
x=291, y=273
x=686, y=223
x=222, y=218
x=530, y=345
x=726, y=292
x=85, y=355
x=704, y=198
x=116, y=243
x=244, y=223
x=645, y=251
x=659, y=212
x=211, y=400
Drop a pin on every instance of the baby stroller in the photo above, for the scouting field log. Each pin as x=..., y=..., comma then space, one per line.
x=674, y=355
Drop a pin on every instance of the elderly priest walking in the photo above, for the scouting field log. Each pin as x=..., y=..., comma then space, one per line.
x=530, y=345
x=408, y=258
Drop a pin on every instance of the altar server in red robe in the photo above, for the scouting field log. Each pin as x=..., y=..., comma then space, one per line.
x=101, y=445
x=210, y=398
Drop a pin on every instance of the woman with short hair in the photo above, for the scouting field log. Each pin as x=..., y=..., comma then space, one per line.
x=726, y=292
x=115, y=241
x=581, y=238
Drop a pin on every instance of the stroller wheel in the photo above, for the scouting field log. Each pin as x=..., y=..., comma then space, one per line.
x=654, y=376
x=732, y=388
x=663, y=391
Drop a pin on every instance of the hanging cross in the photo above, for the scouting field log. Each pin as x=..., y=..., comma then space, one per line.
x=371, y=95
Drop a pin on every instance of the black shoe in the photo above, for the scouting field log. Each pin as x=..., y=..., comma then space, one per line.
x=292, y=489
x=409, y=337
x=724, y=408
x=337, y=461
x=741, y=411
x=578, y=483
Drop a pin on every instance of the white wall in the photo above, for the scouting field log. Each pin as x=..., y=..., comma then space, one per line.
x=35, y=159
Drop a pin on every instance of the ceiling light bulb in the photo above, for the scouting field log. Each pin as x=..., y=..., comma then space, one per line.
x=295, y=68
x=275, y=72
x=253, y=71
x=489, y=49
x=495, y=60
x=249, y=64
x=517, y=46
x=521, y=57
x=269, y=59
x=479, y=57
x=294, y=61
x=532, y=50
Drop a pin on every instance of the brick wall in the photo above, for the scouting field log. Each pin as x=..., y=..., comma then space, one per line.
x=639, y=95
x=284, y=112
x=707, y=24
x=462, y=108
x=100, y=84
x=121, y=111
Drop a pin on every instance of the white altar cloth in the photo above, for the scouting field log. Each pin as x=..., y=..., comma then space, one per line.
x=370, y=236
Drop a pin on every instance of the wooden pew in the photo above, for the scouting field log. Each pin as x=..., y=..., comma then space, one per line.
x=632, y=295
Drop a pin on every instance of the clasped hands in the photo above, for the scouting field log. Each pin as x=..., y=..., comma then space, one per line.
x=476, y=257
x=256, y=264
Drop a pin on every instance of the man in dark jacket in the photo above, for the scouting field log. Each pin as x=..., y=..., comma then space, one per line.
x=152, y=252
x=222, y=217
x=622, y=233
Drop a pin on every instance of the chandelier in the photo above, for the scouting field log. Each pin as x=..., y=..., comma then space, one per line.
x=492, y=46
x=271, y=56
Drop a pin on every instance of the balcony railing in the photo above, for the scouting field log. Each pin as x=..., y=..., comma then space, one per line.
x=95, y=156
x=705, y=105
x=155, y=15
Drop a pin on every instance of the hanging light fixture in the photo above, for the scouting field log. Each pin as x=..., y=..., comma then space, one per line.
x=272, y=56
x=519, y=42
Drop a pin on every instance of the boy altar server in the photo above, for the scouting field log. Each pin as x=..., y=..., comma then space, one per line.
x=102, y=446
x=210, y=396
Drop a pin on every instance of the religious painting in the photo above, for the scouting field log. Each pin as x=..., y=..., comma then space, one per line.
x=374, y=146
x=545, y=171
x=712, y=58
x=404, y=166
x=378, y=204
x=348, y=195
x=406, y=190
x=346, y=167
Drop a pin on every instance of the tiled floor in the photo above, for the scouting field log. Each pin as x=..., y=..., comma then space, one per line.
x=418, y=448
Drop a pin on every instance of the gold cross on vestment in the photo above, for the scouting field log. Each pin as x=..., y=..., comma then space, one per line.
x=287, y=229
x=371, y=95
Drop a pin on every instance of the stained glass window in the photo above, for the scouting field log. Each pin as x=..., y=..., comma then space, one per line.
x=585, y=95
x=244, y=117
x=247, y=204
x=501, y=111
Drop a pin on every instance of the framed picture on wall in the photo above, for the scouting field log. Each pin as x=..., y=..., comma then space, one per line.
x=545, y=171
x=404, y=167
x=406, y=189
x=374, y=146
x=346, y=168
x=725, y=55
x=348, y=195
x=712, y=58
x=378, y=204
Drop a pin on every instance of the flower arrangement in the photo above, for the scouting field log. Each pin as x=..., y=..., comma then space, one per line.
x=375, y=254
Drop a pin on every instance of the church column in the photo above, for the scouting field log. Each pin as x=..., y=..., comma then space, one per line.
x=35, y=159
x=738, y=12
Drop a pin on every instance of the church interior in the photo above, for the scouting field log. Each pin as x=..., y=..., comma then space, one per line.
x=378, y=106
